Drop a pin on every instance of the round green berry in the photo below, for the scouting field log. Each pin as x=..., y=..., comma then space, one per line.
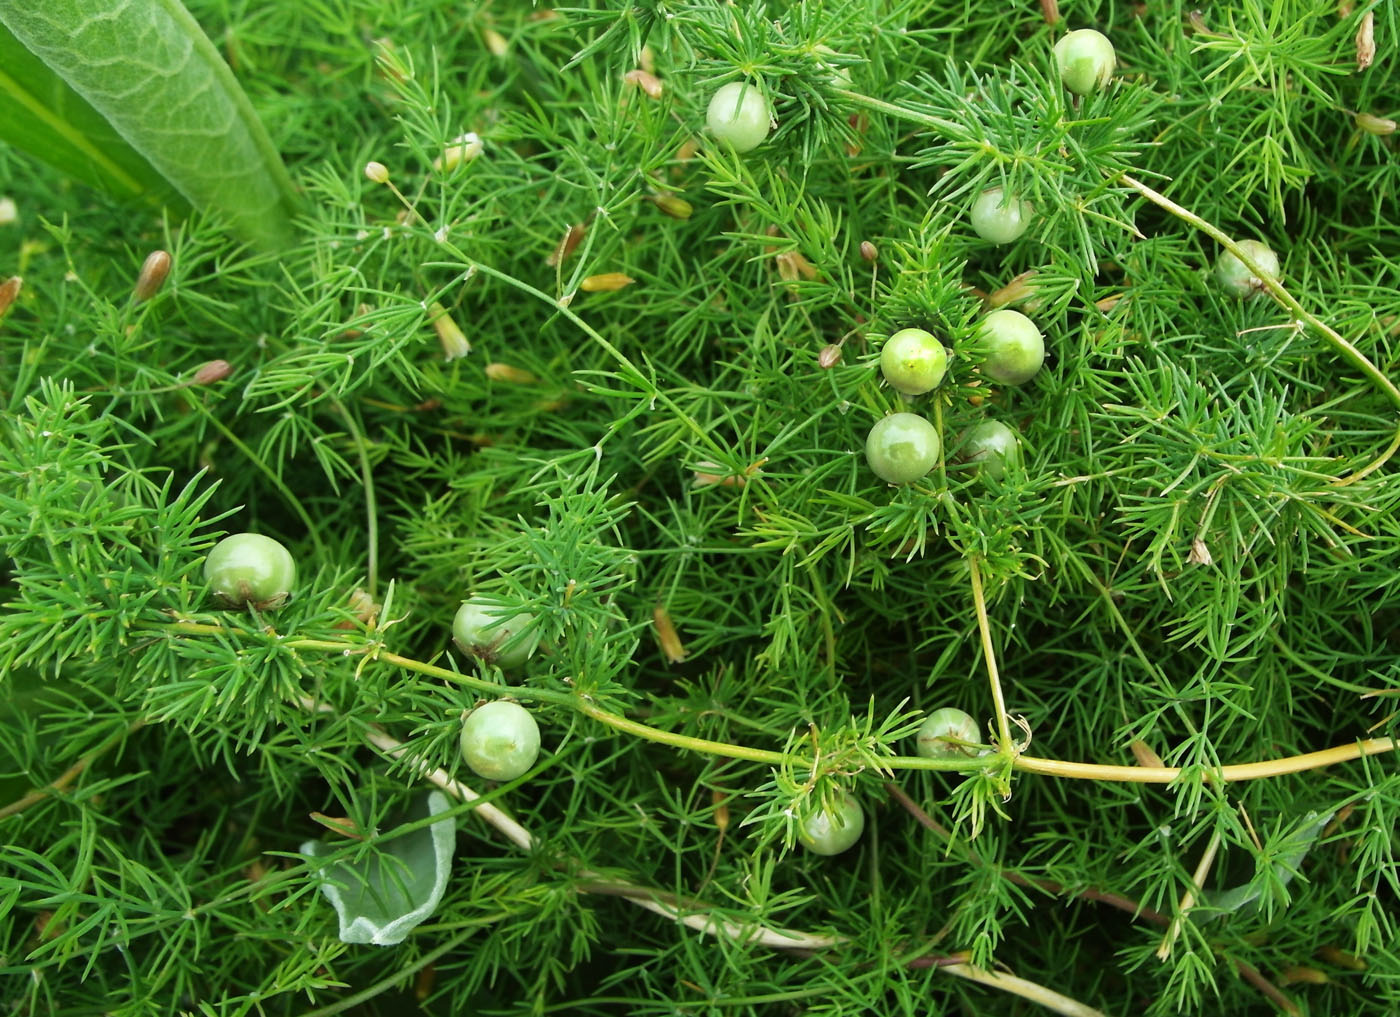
x=1237, y=279
x=830, y=834
x=248, y=568
x=998, y=219
x=1085, y=60
x=913, y=361
x=1014, y=347
x=739, y=116
x=902, y=447
x=993, y=446
x=947, y=733
x=482, y=628
x=500, y=740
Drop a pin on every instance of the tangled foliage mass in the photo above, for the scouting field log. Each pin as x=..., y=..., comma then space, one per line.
x=565, y=349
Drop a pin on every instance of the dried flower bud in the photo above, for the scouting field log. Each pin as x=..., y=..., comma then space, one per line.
x=1050, y=11
x=152, y=277
x=464, y=148
x=573, y=236
x=1341, y=959
x=1380, y=126
x=9, y=211
x=214, y=370
x=647, y=60
x=1109, y=302
x=9, y=290
x=667, y=636
x=648, y=83
x=721, y=803
x=1366, y=41
x=363, y=607
x=687, y=150
x=1301, y=973
x=377, y=172
x=676, y=208
x=606, y=282
x=1143, y=754
x=1200, y=554
x=495, y=42
x=453, y=339
x=338, y=824
x=829, y=357
x=514, y=375
x=869, y=251
x=1016, y=290
x=705, y=478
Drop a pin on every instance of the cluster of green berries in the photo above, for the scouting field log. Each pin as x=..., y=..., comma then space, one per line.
x=903, y=447
x=500, y=740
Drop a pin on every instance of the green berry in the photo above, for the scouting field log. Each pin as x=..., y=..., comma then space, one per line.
x=993, y=446
x=1086, y=60
x=913, y=361
x=825, y=834
x=902, y=447
x=947, y=733
x=248, y=568
x=1236, y=279
x=739, y=116
x=1014, y=347
x=1000, y=220
x=500, y=740
x=482, y=628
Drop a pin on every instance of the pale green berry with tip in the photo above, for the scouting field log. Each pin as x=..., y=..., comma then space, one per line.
x=998, y=219
x=913, y=361
x=1085, y=60
x=739, y=116
x=500, y=740
x=902, y=447
x=831, y=833
x=1014, y=347
x=485, y=628
x=1236, y=278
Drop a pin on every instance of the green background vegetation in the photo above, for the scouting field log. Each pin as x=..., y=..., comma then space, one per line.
x=1198, y=561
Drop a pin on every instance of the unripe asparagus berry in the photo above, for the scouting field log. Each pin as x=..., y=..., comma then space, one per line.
x=947, y=733
x=739, y=116
x=1085, y=60
x=825, y=834
x=1236, y=279
x=998, y=220
x=993, y=446
x=481, y=629
x=248, y=568
x=902, y=447
x=1014, y=347
x=500, y=740
x=913, y=361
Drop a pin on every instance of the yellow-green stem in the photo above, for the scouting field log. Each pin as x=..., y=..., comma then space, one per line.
x=990, y=654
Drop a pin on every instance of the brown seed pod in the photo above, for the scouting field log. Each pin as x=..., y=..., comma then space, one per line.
x=152, y=277
x=9, y=290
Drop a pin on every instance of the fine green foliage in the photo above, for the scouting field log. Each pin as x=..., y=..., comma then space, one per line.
x=598, y=369
x=150, y=72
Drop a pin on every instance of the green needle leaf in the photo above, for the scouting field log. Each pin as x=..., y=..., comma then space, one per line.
x=150, y=72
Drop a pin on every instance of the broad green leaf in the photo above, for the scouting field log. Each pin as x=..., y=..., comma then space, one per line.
x=382, y=896
x=41, y=115
x=1288, y=855
x=154, y=76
